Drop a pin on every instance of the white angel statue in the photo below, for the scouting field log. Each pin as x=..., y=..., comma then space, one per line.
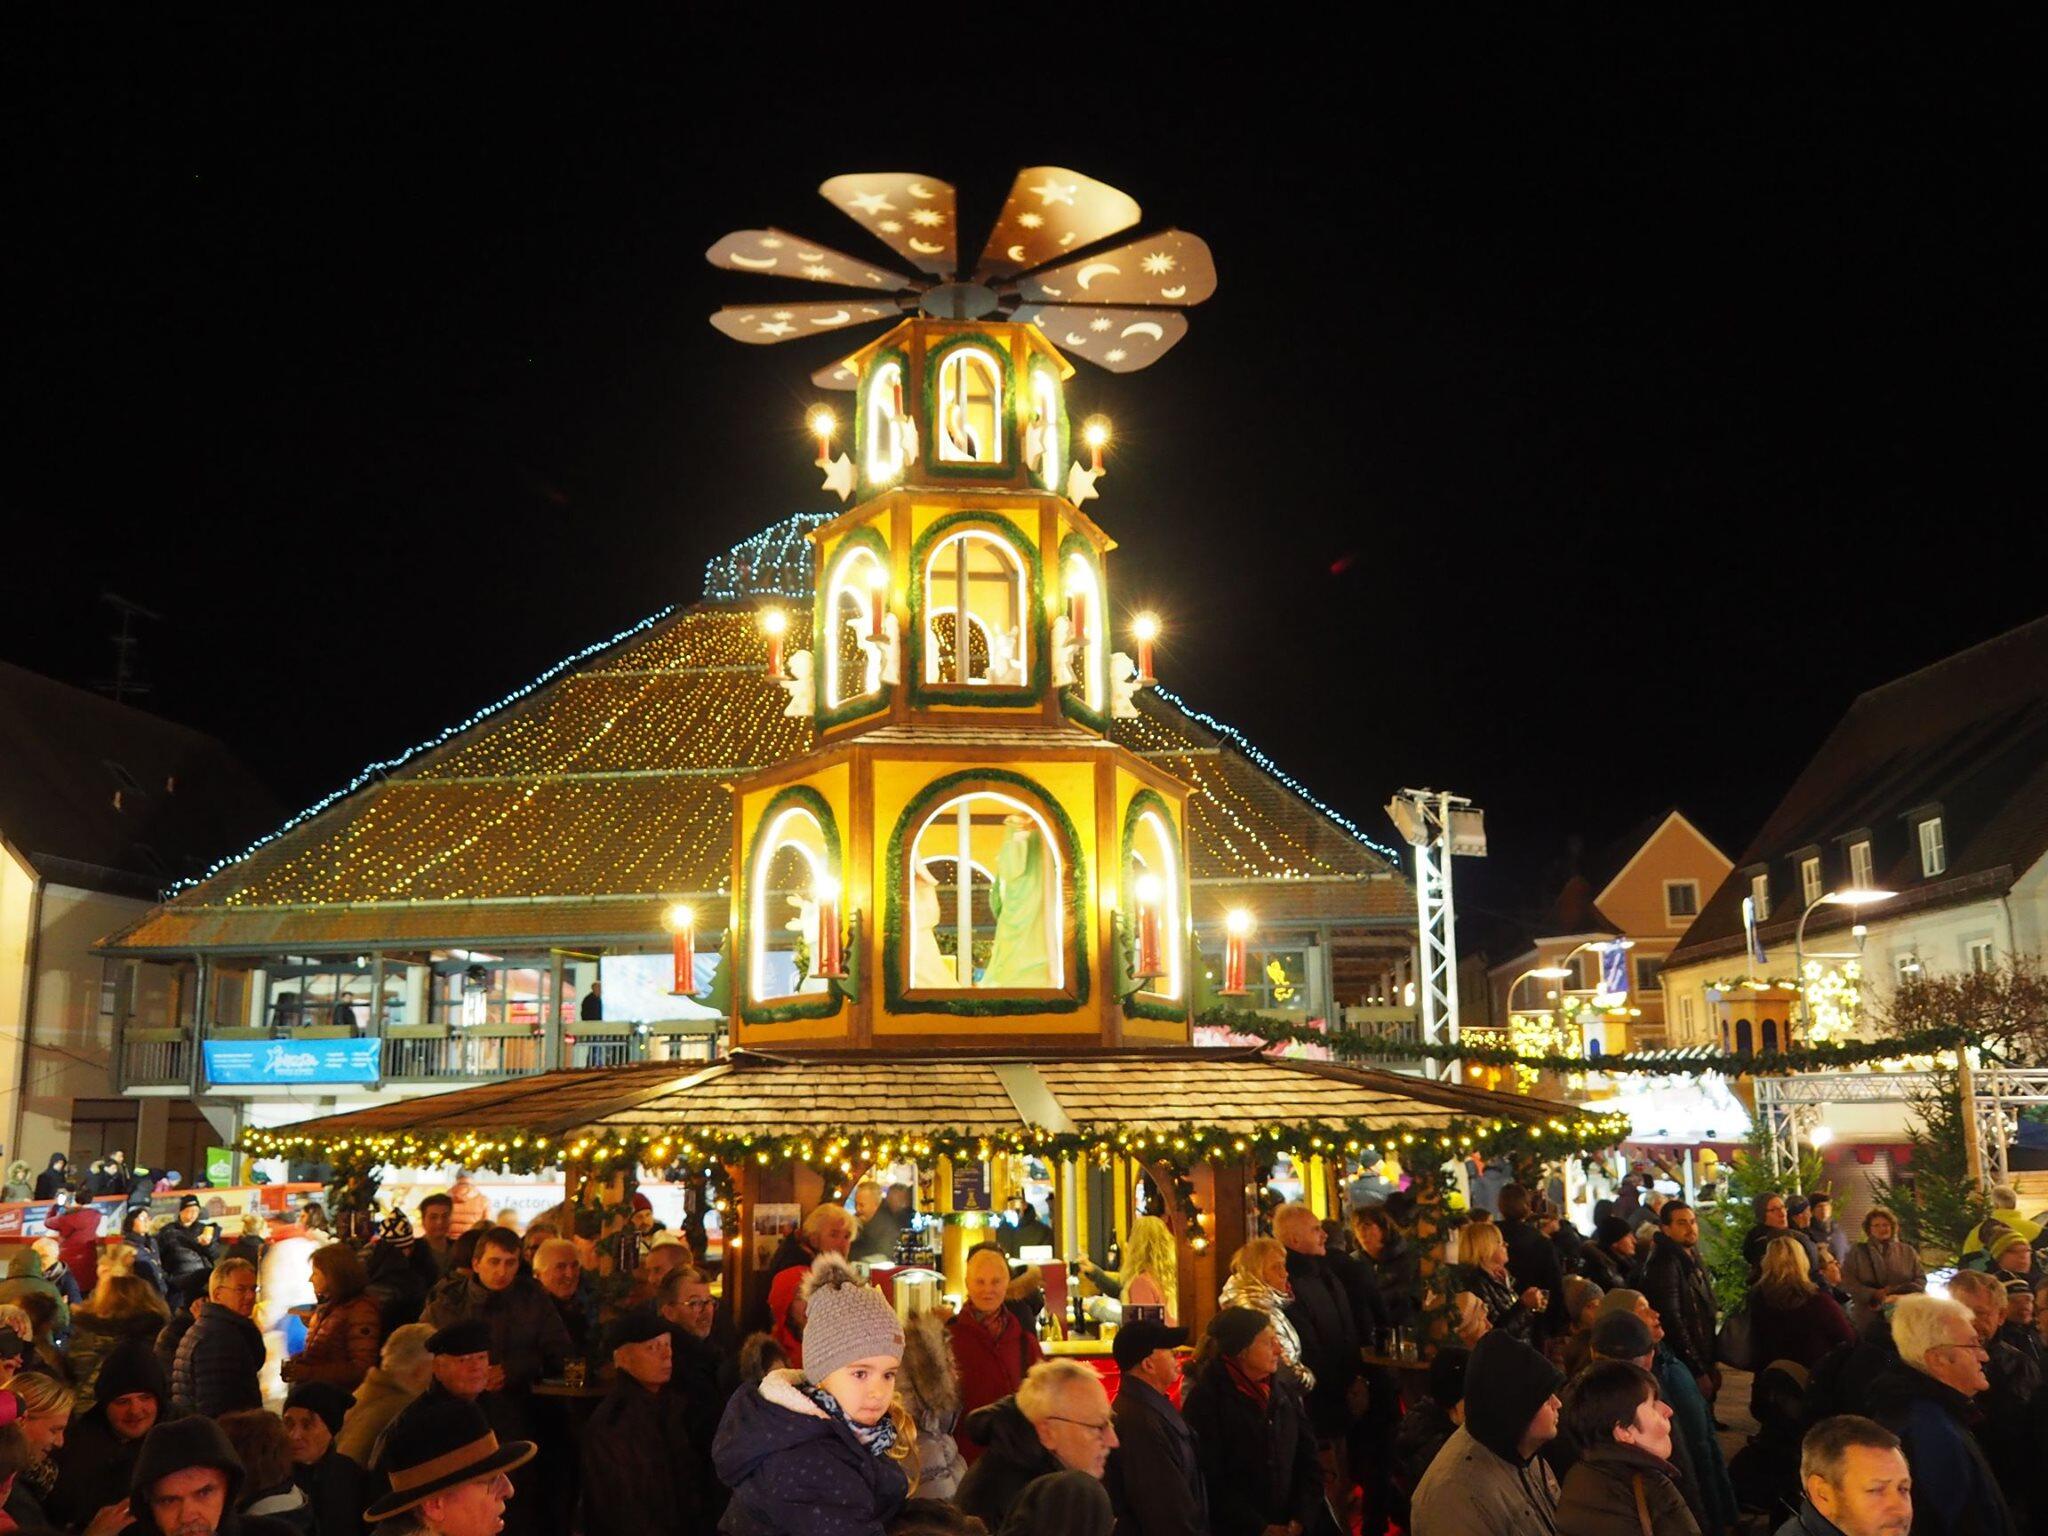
x=881, y=655
x=1005, y=667
x=800, y=686
x=1066, y=653
x=1124, y=684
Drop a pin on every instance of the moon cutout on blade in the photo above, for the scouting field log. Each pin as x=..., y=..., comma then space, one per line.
x=1074, y=340
x=919, y=189
x=1015, y=253
x=924, y=249
x=1095, y=269
x=810, y=255
x=1144, y=328
x=840, y=317
x=1177, y=291
x=748, y=261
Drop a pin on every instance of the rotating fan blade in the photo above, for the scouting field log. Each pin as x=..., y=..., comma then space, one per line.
x=1121, y=340
x=911, y=214
x=778, y=253
x=1171, y=267
x=1050, y=212
x=839, y=375
x=763, y=325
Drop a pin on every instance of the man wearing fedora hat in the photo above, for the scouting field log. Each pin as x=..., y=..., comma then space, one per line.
x=448, y=1476
x=639, y=1467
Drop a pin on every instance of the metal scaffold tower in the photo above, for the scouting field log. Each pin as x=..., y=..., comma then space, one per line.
x=1438, y=826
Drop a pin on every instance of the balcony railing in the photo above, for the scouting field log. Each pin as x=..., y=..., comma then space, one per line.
x=459, y=1058
x=156, y=1058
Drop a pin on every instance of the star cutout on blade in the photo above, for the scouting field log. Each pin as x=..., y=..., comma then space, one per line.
x=1031, y=220
x=1115, y=355
x=1098, y=324
x=870, y=202
x=890, y=226
x=776, y=328
x=1049, y=192
x=1158, y=263
x=927, y=216
x=822, y=274
x=1081, y=483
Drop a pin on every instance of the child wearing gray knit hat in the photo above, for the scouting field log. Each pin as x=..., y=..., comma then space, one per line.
x=846, y=1320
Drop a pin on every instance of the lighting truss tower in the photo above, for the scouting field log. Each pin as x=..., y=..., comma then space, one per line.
x=1438, y=826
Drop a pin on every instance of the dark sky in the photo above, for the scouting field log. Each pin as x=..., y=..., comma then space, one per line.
x=1583, y=418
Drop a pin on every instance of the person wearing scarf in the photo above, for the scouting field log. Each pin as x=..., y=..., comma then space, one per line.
x=1253, y=1438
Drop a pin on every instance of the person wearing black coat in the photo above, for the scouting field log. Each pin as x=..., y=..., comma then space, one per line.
x=1321, y=1314
x=221, y=1356
x=1012, y=1457
x=178, y=1446
x=54, y=1177
x=1610, y=1259
x=1154, y=1476
x=1253, y=1435
x=336, y=1487
x=1678, y=1287
x=101, y=1447
x=187, y=1248
x=639, y=1468
x=793, y=1469
x=1532, y=1259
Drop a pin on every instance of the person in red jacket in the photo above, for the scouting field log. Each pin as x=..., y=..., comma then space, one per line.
x=992, y=1349
x=77, y=1230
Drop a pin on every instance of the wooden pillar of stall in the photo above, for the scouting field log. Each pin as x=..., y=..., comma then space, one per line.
x=756, y=1184
x=1220, y=1195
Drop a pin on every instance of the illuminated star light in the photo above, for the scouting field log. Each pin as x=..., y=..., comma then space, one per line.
x=776, y=328
x=1115, y=355
x=1158, y=263
x=926, y=216
x=822, y=274
x=1098, y=324
x=1050, y=192
x=890, y=227
x=870, y=202
x=1031, y=220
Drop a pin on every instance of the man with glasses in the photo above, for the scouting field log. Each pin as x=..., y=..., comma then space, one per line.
x=706, y=1370
x=219, y=1358
x=1058, y=1421
x=1928, y=1401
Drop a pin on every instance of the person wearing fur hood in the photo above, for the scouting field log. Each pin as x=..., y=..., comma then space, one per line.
x=929, y=1387
x=824, y=1450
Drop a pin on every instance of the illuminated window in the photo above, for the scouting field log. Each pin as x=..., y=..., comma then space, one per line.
x=1042, y=435
x=852, y=670
x=1279, y=979
x=1933, y=848
x=1088, y=626
x=1862, y=868
x=1760, y=896
x=883, y=431
x=1981, y=956
x=1809, y=879
x=1152, y=879
x=976, y=587
x=987, y=883
x=790, y=879
x=970, y=407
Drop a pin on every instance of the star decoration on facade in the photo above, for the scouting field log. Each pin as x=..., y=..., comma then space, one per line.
x=870, y=202
x=1158, y=263
x=1049, y=192
x=839, y=477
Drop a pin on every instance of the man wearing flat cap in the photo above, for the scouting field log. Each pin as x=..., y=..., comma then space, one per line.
x=1153, y=1476
x=448, y=1475
x=639, y=1467
x=461, y=1355
x=313, y=1411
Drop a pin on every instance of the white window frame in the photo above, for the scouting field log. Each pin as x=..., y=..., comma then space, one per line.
x=1862, y=865
x=1811, y=887
x=1685, y=1017
x=1656, y=963
x=1680, y=919
x=1980, y=956
x=1933, y=847
x=1760, y=895
x=1907, y=966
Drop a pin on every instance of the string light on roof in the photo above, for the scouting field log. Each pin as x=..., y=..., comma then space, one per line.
x=1266, y=764
x=776, y=562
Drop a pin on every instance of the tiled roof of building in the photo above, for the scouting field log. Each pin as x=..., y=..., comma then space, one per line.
x=107, y=797
x=579, y=811
x=758, y=1095
x=1967, y=736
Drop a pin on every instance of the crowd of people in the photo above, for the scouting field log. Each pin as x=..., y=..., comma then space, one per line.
x=1482, y=1372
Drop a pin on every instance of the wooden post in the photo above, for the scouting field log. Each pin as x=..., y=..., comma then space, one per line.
x=1973, y=1132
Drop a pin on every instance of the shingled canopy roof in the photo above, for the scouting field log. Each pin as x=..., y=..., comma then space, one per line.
x=792, y=1098
x=578, y=812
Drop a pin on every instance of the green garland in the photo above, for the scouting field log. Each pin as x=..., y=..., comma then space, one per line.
x=824, y=1004
x=1074, y=698
x=1139, y=1004
x=859, y=705
x=1353, y=1045
x=936, y=465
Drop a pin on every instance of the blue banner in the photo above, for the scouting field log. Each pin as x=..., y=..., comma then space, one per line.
x=291, y=1061
x=1614, y=970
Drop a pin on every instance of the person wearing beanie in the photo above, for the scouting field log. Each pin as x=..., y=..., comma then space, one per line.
x=639, y=1470
x=1622, y=1482
x=1154, y=1476
x=187, y=1482
x=1428, y=1424
x=188, y=1249
x=1253, y=1433
x=1061, y=1504
x=1610, y=1258
x=100, y=1449
x=1581, y=1298
x=1488, y=1479
x=1059, y=1420
x=822, y=1449
x=400, y=1271
x=332, y=1484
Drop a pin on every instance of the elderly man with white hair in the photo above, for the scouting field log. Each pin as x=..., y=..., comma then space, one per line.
x=1059, y=1421
x=1927, y=1401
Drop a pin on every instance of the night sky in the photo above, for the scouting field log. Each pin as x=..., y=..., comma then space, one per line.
x=1581, y=420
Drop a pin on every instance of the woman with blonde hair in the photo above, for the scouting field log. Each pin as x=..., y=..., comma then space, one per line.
x=1258, y=1279
x=1482, y=1270
x=121, y=1307
x=344, y=1333
x=1150, y=1274
x=1791, y=1318
x=46, y=1405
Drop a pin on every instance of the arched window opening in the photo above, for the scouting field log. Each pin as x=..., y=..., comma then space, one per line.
x=975, y=586
x=852, y=669
x=970, y=407
x=1770, y=1033
x=986, y=887
x=1152, y=880
x=1042, y=432
x=791, y=878
x=1087, y=630
x=884, y=429
x=1745, y=1036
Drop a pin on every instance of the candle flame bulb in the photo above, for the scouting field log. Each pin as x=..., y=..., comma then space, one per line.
x=681, y=917
x=1237, y=928
x=1096, y=435
x=1146, y=629
x=773, y=623
x=822, y=423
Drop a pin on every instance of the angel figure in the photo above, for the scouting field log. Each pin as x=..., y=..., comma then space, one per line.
x=805, y=926
x=800, y=686
x=929, y=965
x=1035, y=442
x=881, y=655
x=1124, y=685
x=906, y=438
x=1005, y=667
x=1066, y=653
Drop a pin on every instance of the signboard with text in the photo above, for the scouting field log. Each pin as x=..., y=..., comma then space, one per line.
x=291, y=1061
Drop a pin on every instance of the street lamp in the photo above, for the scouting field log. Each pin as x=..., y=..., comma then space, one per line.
x=1853, y=897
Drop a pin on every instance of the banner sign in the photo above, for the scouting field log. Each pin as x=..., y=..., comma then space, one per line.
x=292, y=1061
